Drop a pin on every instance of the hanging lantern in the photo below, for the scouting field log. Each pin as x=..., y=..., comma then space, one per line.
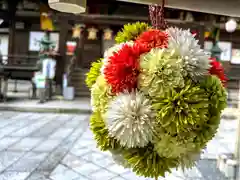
x=189, y=17
x=68, y=6
x=108, y=33
x=46, y=19
x=207, y=34
x=77, y=31
x=71, y=46
x=231, y=25
x=92, y=33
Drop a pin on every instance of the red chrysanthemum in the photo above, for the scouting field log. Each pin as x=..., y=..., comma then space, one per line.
x=123, y=68
x=217, y=69
x=153, y=38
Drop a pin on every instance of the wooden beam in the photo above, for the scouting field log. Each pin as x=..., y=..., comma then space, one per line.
x=105, y=19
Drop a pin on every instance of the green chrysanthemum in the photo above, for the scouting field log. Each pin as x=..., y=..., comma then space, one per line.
x=216, y=92
x=100, y=132
x=160, y=71
x=131, y=31
x=189, y=160
x=146, y=162
x=217, y=100
x=180, y=110
x=100, y=95
x=173, y=146
x=93, y=73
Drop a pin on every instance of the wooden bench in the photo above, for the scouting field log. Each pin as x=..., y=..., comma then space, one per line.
x=16, y=72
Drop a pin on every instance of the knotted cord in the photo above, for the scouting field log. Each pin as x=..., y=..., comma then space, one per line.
x=156, y=13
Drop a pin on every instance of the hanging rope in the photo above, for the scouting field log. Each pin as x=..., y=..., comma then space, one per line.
x=156, y=13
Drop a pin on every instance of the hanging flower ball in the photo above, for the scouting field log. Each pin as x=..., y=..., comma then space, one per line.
x=157, y=100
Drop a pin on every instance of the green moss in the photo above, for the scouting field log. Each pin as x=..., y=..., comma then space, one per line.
x=131, y=31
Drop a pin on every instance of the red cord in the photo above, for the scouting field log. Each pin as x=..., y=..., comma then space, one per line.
x=156, y=13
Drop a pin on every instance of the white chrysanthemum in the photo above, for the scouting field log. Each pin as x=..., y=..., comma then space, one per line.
x=130, y=119
x=109, y=52
x=183, y=42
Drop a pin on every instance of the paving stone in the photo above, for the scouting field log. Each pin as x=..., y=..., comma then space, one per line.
x=37, y=176
x=102, y=174
x=106, y=162
x=77, y=133
x=75, y=122
x=93, y=156
x=30, y=129
x=79, y=165
x=7, y=158
x=6, y=122
x=209, y=171
x=87, y=135
x=79, y=151
x=47, y=146
x=7, y=141
x=72, y=153
x=7, y=130
x=26, y=144
x=28, y=162
x=14, y=175
x=82, y=178
x=117, y=169
x=64, y=173
x=47, y=129
x=61, y=133
x=57, y=155
x=193, y=173
x=118, y=178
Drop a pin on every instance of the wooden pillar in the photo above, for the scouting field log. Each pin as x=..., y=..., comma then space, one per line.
x=61, y=59
x=201, y=36
x=12, y=32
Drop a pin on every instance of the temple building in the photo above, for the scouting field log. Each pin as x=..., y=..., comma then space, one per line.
x=24, y=23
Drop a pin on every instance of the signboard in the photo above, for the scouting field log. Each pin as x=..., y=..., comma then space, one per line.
x=226, y=48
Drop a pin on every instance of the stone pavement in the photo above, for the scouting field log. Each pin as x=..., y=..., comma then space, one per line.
x=37, y=146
